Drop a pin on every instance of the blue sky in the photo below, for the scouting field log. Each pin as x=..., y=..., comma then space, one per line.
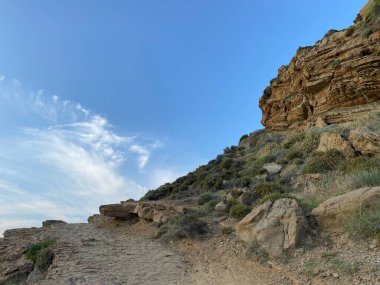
x=102, y=100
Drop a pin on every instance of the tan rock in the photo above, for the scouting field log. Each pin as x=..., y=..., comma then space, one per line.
x=365, y=141
x=332, y=213
x=145, y=211
x=221, y=207
x=329, y=141
x=320, y=123
x=337, y=79
x=277, y=226
x=272, y=168
x=118, y=211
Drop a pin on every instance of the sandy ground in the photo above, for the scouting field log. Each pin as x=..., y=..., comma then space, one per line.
x=123, y=254
x=89, y=255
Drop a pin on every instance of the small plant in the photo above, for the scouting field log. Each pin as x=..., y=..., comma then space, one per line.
x=44, y=259
x=205, y=197
x=368, y=178
x=336, y=62
x=255, y=251
x=363, y=223
x=324, y=162
x=309, y=205
x=35, y=249
x=239, y=211
x=263, y=189
x=182, y=226
x=227, y=230
x=312, y=267
x=361, y=163
x=273, y=197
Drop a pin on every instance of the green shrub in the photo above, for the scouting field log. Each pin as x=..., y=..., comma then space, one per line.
x=273, y=197
x=226, y=163
x=324, y=162
x=361, y=163
x=293, y=154
x=33, y=251
x=265, y=188
x=239, y=211
x=362, y=224
x=44, y=259
x=227, y=230
x=368, y=178
x=182, y=226
x=309, y=205
x=205, y=197
x=210, y=206
x=255, y=251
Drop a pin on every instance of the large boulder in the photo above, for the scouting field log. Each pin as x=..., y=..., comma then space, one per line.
x=330, y=141
x=279, y=227
x=365, y=141
x=332, y=213
x=121, y=211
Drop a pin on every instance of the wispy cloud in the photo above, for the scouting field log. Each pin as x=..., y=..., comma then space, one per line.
x=59, y=160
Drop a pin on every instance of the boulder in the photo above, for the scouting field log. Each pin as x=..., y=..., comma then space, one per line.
x=121, y=211
x=329, y=141
x=49, y=223
x=278, y=227
x=331, y=214
x=365, y=141
x=221, y=207
x=145, y=211
x=272, y=168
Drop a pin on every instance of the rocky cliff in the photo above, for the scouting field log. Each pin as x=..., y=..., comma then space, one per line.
x=333, y=81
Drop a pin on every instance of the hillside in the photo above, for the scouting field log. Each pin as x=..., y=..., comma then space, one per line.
x=295, y=203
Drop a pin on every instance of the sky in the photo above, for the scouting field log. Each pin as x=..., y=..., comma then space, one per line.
x=101, y=101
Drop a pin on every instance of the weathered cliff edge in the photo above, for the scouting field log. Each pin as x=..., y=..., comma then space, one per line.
x=334, y=81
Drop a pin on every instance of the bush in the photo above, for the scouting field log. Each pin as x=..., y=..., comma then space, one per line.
x=182, y=226
x=226, y=163
x=361, y=163
x=239, y=211
x=362, y=224
x=44, y=259
x=263, y=189
x=273, y=197
x=205, y=197
x=368, y=178
x=309, y=205
x=33, y=251
x=227, y=230
x=324, y=162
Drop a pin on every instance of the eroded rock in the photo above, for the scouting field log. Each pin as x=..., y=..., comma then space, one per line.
x=330, y=141
x=332, y=213
x=278, y=226
x=365, y=141
x=337, y=79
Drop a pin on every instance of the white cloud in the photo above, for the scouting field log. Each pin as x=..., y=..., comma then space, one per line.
x=143, y=154
x=63, y=161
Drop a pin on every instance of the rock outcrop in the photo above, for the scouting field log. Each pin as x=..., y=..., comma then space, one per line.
x=332, y=213
x=278, y=227
x=365, y=141
x=130, y=210
x=336, y=80
x=330, y=141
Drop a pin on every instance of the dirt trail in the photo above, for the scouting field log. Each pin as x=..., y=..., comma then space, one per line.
x=89, y=255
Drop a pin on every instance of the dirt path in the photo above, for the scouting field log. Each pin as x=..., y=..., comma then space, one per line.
x=89, y=255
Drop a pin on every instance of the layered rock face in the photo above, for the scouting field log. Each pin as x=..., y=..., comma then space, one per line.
x=334, y=81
